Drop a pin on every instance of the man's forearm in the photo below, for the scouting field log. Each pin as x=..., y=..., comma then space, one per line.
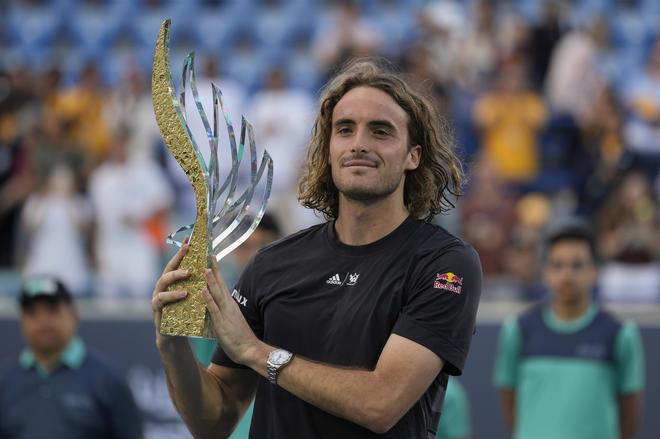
x=508, y=400
x=194, y=392
x=368, y=398
x=629, y=414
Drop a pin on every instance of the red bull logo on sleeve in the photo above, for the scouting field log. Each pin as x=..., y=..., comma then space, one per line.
x=448, y=281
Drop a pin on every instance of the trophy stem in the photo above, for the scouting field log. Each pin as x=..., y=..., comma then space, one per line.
x=188, y=317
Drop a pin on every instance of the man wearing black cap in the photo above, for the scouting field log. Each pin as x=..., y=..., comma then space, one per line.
x=58, y=389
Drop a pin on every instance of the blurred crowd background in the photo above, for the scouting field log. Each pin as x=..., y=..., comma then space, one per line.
x=555, y=106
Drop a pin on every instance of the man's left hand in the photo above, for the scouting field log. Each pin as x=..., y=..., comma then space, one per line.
x=232, y=331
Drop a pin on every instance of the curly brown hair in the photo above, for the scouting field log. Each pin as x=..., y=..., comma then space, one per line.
x=427, y=188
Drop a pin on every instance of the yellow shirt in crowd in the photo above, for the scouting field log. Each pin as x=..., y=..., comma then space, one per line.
x=510, y=123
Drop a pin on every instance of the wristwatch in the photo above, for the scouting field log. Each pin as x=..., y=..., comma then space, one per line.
x=277, y=360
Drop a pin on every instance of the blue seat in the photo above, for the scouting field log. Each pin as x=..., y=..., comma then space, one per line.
x=650, y=8
x=115, y=65
x=303, y=72
x=34, y=26
x=71, y=65
x=147, y=22
x=247, y=65
x=595, y=7
x=272, y=23
x=398, y=26
x=630, y=29
x=529, y=10
x=98, y=27
x=216, y=27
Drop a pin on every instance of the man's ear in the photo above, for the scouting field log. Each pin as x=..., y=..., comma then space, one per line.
x=414, y=158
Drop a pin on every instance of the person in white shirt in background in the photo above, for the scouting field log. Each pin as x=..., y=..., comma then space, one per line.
x=54, y=223
x=281, y=116
x=128, y=194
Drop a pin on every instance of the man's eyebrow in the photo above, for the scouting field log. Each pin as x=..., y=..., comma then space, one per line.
x=378, y=123
x=381, y=124
x=344, y=121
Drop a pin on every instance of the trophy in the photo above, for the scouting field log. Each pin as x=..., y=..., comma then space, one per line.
x=220, y=225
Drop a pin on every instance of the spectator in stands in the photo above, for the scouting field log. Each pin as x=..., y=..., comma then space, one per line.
x=510, y=117
x=629, y=211
x=443, y=25
x=82, y=110
x=604, y=148
x=281, y=116
x=59, y=388
x=17, y=143
x=130, y=109
x=574, y=82
x=532, y=211
x=568, y=369
x=53, y=146
x=488, y=215
x=53, y=142
x=480, y=47
x=49, y=90
x=55, y=223
x=130, y=197
x=642, y=98
x=542, y=41
x=455, y=421
x=629, y=239
x=17, y=181
x=347, y=34
x=427, y=73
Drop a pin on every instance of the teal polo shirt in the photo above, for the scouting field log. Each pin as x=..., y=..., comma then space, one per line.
x=568, y=376
x=455, y=416
x=72, y=358
x=81, y=398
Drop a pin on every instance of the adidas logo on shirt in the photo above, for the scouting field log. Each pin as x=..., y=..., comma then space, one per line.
x=334, y=280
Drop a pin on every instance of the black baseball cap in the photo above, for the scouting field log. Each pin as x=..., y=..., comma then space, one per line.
x=46, y=288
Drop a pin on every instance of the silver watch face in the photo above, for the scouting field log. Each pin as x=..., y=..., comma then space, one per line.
x=279, y=357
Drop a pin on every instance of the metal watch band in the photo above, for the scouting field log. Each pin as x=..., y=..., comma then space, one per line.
x=272, y=373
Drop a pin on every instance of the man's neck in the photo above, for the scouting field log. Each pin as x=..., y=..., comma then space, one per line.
x=361, y=224
x=48, y=360
x=568, y=311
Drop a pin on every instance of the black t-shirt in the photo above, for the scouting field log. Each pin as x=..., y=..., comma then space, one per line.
x=338, y=304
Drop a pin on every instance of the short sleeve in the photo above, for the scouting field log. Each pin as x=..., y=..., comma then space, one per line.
x=245, y=295
x=455, y=418
x=507, y=359
x=440, y=306
x=629, y=359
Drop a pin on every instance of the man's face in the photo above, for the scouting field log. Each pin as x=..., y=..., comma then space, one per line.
x=369, y=147
x=48, y=327
x=570, y=272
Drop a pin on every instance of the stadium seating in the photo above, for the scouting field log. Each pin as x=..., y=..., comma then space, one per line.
x=254, y=34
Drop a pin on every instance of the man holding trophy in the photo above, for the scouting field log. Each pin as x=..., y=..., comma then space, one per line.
x=348, y=329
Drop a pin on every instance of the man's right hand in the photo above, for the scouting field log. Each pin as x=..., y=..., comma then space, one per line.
x=161, y=296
